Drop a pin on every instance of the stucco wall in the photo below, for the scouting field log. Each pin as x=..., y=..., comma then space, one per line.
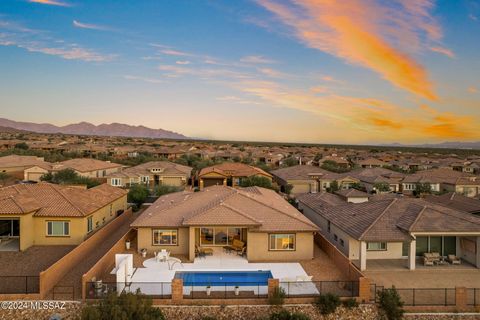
x=258, y=248
x=145, y=239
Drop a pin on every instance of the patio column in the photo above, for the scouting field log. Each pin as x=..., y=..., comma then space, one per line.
x=363, y=256
x=478, y=253
x=191, y=244
x=412, y=251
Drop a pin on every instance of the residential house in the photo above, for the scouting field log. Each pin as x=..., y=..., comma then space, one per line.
x=371, y=163
x=153, y=173
x=229, y=174
x=399, y=230
x=15, y=165
x=456, y=201
x=270, y=228
x=49, y=214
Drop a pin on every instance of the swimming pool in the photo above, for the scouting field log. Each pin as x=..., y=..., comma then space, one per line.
x=222, y=278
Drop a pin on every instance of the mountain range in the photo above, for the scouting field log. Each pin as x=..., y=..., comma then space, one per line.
x=86, y=128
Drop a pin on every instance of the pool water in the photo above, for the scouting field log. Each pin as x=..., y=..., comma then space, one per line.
x=231, y=278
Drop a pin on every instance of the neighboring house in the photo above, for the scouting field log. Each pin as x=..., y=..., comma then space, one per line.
x=90, y=168
x=443, y=180
x=399, y=230
x=270, y=227
x=456, y=201
x=302, y=178
x=370, y=177
x=339, y=161
x=229, y=174
x=49, y=214
x=153, y=173
x=371, y=163
x=353, y=195
x=15, y=165
x=313, y=179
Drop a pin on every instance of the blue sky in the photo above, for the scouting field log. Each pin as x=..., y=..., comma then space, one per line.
x=356, y=71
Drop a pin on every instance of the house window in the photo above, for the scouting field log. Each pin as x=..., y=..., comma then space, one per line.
x=116, y=182
x=58, y=228
x=329, y=226
x=89, y=224
x=165, y=237
x=335, y=237
x=144, y=179
x=376, y=246
x=342, y=243
x=282, y=242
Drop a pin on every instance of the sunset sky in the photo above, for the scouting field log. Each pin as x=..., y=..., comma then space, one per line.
x=326, y=71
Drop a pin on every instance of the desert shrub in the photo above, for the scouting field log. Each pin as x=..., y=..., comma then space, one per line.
x=350, y=303
x=287, y=315
x=327, y=303
x=278, y=297
x=124, y=306
x=390, y=304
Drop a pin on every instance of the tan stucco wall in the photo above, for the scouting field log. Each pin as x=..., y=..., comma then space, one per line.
x=258, y=245
x=303, y=186
x=145, y=239
x=26, y=229
x=98, y=173
x=34, y=173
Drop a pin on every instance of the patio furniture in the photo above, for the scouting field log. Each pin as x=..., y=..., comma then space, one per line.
x=204, y=251
x=242, y=252
x=238, y=245
x=453, y=259
x=431, y=258
x=228, y=249
x=172, y=261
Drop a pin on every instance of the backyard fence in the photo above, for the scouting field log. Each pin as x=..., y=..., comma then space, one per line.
x=227, y=290
x=19, y=284
x=306, y=289
x=473, y=297
x=154, y=290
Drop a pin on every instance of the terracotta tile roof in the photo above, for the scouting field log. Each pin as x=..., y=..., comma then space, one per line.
x=50, y=200
x=320, y=201
x=352, y=193
x=441, y=176
x=235, y=169
x=456, y=201
x=393, y=219
x=86, y=164
x=168, y=168
x=219, y=205
x=20, y=161
x=299, y=172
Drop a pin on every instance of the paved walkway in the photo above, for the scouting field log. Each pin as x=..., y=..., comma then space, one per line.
x=74, y=276
x=322, y=268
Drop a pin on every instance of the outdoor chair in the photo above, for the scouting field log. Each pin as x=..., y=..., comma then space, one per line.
x=242, y=252
x=453, y=259
x=304, y=278
x=204, y=251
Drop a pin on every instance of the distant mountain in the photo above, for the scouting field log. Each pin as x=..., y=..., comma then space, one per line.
x=442, y=145
x=85, y=128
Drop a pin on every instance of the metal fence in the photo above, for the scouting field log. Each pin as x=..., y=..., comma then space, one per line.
x=243, y=290
x=316, y=288
x=420, y=296
x=19, y=284
x=473, y=297
x=155, y=290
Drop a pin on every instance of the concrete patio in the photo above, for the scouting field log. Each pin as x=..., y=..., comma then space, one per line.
x=402, y=265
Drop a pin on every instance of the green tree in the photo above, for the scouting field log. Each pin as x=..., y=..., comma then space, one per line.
x=333, y=186
x=21, y=146
x=3, y=177
x=390, y=304
x=256, y=181
x=381, y=186
x=288, y=188
x=290, y=162
x=137, y=194
x=422, y=189
x=69, y=176
x=123, y=307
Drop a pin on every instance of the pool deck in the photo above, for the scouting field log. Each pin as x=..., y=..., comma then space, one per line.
x=148, y=279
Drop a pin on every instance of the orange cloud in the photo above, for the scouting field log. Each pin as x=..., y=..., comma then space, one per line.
x=449, y=53
x=51, y=2
x=366, y=118
x=361, y=33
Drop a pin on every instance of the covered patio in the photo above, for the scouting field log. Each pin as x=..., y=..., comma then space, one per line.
x=9, y=234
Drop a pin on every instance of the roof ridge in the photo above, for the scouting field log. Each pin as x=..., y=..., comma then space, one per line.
x=66, y=198
x=15, y=202
x=462, y=217
x=241, y=212
x=417, y=217
x=212, y=204
x=284, y=213
x=378, y=218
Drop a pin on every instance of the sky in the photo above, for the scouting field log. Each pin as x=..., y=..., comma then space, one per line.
x=321, y=71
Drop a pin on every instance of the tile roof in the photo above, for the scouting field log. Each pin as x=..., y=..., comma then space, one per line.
x=87, y=164
x=20, y=161
x=352, y=193
x=168, y=168
x=50, y=200
x=261, y=208
x=393, y=219
x=299, y=172
x=456, y=201
x=235, y=169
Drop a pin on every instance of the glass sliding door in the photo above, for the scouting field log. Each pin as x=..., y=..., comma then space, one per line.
x=206, y=236
x=234, y=234
x=449, y=246
x=436, y=244
x=221, y=236
x=422, y=245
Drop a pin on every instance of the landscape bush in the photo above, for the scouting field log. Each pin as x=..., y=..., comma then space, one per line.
x=287, y=315
x=278, y=297
x=124, y=306
x=137, y=194
x=327, y=303
x=69, y=176
x=350, y=303
x=390, y=304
